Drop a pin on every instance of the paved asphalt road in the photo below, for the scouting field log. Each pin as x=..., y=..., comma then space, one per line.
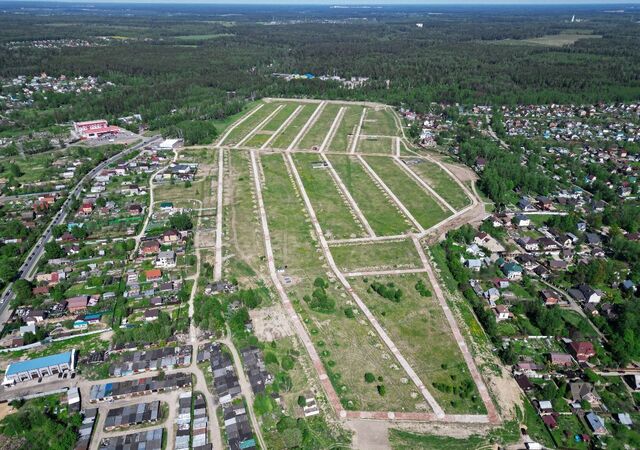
x=38, y=249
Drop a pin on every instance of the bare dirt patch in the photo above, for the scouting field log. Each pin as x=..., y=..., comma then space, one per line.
x=270, y=323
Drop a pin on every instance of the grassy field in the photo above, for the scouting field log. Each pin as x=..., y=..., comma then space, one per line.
x=378, y=255
x=343, y=342
x=380, y=212
x=271, y=126
x=349, y=348
x=560, y=40
x=335, y=216
x=280, y=117
x=290, y=233
x=419, y=203
x=384, y=145
x=442, y=183
x=405, y=440
x=347, y=127
x=284, y=139
x=180, y=195
x=419, y=328
x=551, y=40
x=380, y=122
x=240, y=221
x=317, y=133
x=248, y=125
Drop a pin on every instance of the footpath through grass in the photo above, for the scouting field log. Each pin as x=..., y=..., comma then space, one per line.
x=420, y=204
x=417, y=325
x=335, y=216
x=442, y=183
x=381, y=213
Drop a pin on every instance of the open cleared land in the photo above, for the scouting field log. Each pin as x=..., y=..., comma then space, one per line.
x=376, y=144
x=290, y=233
x=419, y=203
x=347, y=127
x=552, y=40
x=418, y=327
x=264, y=133
x=244, y=128
x=442, y=183
x=317, y=133
x=379, y=210
x=380, y=122
x=342, y=342
x=241, y=223
x=284, y=139
x=335, y=216
x=376, y=256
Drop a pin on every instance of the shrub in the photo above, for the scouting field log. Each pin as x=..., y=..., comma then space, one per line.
x=369, y=377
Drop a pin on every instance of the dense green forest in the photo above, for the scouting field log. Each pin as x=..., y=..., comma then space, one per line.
x=202, y=63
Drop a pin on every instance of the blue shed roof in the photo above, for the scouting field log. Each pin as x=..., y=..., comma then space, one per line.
x=39, y=363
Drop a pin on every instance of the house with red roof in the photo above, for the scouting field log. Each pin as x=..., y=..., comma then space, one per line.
x=582, y=350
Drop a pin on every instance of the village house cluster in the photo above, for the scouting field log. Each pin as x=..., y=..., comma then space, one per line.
x=20, y=91
x=350, y=83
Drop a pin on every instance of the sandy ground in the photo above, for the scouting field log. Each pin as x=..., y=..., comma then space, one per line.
x=5, y=410
x=270, y=323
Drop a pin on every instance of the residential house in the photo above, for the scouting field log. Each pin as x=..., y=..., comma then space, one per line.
x=150, y=247
x=512, y=271
x=560, y=359
x=153, y=274
x=170, y=236
x=585, y=294
x=520, y=220
x=582, y=391
x=502, y=313
x=166, y=259
x=596, y=423
x=582, y=350
x=549, y=297
x=78, y=303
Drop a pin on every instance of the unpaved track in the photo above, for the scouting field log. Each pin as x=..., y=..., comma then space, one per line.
x=383, y=335
x=352, y=203
x=258, y=127
x=238, y=123
x=390, y=193
x=332, y=131
x=423, y=183
x=284, y=125
x=307, y=125
x=220, y=206
x=356, y=136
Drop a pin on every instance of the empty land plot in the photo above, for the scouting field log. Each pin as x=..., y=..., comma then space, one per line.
x=181, y=195
x=243, y=129
x=349, y=349
x=316, y=134
x=343, y=343
x=380, y=122
x=556, y=40
x=380, y=211
x=286, y=137
x=442, y=183
x=272, y=126
x=290, y=233
x=419, y=203
x=347, y=127
x=376, y=144
x=335, y=217
x=376, y=256
x=241, y=222
x=417, y=325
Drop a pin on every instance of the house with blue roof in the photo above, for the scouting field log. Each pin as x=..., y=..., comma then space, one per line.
x=39, y=367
